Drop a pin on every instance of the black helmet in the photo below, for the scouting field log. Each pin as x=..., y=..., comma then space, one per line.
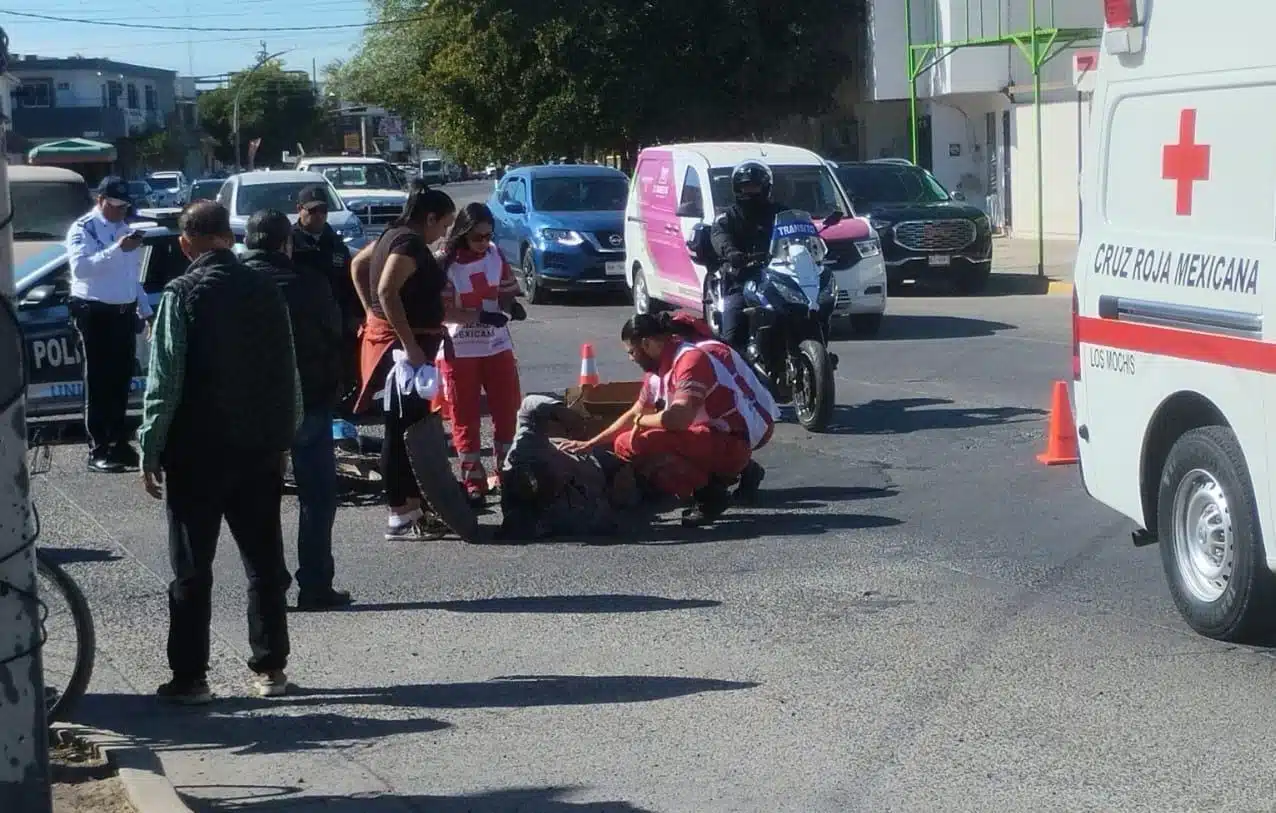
x=751, y=172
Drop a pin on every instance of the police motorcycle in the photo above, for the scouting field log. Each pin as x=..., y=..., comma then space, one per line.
x=789, y=308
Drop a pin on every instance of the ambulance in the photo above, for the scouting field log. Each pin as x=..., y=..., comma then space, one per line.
x=1173, y=362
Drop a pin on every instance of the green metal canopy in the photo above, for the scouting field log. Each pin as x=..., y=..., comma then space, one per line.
x=71, y=151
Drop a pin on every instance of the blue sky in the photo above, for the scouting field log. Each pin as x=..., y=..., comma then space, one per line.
x=208, y=53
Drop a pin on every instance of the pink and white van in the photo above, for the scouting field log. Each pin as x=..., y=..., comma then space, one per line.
x=679, y=185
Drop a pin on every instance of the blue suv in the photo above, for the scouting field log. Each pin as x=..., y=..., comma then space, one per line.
x=563, y=227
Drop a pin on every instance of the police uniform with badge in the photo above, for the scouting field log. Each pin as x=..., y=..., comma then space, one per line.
x=106, y=301
x=317, y=247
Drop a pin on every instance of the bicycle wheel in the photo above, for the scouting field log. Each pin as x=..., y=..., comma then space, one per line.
x=69, y=642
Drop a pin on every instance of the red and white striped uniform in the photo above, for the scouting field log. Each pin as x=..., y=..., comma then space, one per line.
x=476, y=282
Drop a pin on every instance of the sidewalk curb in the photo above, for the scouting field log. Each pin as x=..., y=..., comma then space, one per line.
x=139, y=769
x=1012, y=284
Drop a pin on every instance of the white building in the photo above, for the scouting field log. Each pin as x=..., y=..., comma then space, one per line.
x=976, y=104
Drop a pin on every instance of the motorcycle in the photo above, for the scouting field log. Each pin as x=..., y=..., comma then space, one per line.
x=789, y=307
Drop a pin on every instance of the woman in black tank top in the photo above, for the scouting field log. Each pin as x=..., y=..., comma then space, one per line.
x=401, y=287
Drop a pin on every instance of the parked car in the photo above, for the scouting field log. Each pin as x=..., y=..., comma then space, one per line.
x=370, y=187
x=45, y=202
x=250, y=192
x=433, y=172
x=205, y=189
x=54, y=362
x=563, y=227
x=170, y=188
x=143, y=195
x=928, y=233
x=679, y=186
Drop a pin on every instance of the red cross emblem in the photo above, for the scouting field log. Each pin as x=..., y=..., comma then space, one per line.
x=1185, y=162
x=480, y=289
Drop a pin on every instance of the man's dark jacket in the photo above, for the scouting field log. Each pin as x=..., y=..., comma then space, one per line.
x=238, y=393
x=328, y=254
x=745, y=228
x=316, y=325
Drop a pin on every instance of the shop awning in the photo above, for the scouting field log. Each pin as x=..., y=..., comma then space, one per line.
x=71, y=151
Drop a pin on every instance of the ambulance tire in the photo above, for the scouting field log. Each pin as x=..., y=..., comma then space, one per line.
x=1241, y=612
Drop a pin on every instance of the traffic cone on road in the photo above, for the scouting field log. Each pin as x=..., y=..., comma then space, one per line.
x=1061, y=437
x=588, y=366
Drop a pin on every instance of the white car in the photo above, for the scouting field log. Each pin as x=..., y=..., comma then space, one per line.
x=369, y=187
x=250, y=192
x=168, y=189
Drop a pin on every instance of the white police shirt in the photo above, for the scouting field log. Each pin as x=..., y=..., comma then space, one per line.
x=100, y=270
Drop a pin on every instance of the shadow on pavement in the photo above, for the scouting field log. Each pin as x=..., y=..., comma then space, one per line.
x=900, y=416
x=67, y=556
x=509, y=800
x=918, y=327
x=795, y=497
x=739, y=526
x=601, y=604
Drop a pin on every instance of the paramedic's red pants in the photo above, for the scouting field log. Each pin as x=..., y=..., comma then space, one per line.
x=465, y=380
x=679, y=463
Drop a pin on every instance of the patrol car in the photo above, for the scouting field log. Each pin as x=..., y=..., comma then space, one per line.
x=54, y=362
x=1173, y=359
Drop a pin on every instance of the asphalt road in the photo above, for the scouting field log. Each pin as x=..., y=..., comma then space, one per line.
x=919, y=618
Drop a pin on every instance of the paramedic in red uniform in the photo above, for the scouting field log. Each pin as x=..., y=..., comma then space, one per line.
x=480, y=288
x=700, y=416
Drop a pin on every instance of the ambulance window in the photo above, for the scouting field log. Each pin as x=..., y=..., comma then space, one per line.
x=691, y=204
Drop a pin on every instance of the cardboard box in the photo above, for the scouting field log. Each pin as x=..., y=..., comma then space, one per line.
x=603, y=403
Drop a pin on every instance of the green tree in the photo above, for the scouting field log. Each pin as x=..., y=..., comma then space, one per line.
x=529, y=80
x=277, y=106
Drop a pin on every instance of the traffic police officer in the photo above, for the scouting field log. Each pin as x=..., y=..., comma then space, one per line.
x=316, y=247
x=106, y=300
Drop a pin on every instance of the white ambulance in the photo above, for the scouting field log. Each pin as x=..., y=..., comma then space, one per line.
x=1172, y=357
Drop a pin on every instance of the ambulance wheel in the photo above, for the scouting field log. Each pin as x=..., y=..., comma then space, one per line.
x=643, y=302
x=1211, y=542
x=532, y=288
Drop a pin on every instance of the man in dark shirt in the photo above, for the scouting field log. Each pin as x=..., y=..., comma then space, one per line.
x=222, y=406
x=316, y=332
x=316, y=247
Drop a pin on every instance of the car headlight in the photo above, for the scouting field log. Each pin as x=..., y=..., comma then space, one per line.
x=868, y=248
x=565, y=237
x=879, y=224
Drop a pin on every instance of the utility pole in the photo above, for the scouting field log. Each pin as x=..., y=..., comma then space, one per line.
x=24, y=732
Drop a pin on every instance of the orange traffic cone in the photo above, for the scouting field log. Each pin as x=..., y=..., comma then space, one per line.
x=1061, y=439
x=588, y=366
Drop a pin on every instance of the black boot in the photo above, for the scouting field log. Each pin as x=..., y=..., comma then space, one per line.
x=750, y=483
x=709, y=503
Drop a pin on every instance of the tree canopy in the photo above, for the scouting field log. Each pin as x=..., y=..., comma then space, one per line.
x=540, y=78
x=277, y=106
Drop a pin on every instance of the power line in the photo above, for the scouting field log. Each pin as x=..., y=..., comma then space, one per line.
x=211, y=29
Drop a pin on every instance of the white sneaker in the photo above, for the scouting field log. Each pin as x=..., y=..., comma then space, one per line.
x=424, y=529
x=271, y=684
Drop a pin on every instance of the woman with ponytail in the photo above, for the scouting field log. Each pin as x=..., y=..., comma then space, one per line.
x=700, y=416
x=400, y=284
x=480, y=291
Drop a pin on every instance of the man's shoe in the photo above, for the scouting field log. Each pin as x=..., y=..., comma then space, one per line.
x=125, y=455
x=105, y=465
x=426, y=529
x=271, y=684
x=750, y=482
x=322, y=600
x=185, y=692
x=711, y=502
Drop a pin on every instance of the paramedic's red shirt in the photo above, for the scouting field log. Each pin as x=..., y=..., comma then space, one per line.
x=693, y=381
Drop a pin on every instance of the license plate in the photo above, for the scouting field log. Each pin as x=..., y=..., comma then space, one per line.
x=616, y=269
x=940, y=259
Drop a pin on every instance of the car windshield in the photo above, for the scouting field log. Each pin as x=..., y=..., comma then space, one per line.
x=205, y=190
x=579, y=194
x=167, y=182
x=357, y=176
x=891, y=183
x=45, y=210
x=281, y=196
x=431, y=166
x=808, y=187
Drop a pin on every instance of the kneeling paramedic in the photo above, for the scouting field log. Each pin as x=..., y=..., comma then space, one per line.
x=701, y=414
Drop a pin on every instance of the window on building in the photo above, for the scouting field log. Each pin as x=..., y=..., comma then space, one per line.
x=104, y=102
x=132, y=96
x=64, y=85
x=113, y=92
x=152, y=98
x=36, y=93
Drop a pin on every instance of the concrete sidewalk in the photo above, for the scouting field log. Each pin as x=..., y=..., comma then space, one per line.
x=1014, y=265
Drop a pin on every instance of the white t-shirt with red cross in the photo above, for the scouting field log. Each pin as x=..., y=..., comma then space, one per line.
x=476, y=282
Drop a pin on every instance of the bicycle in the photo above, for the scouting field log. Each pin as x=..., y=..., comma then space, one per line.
x=67, y=658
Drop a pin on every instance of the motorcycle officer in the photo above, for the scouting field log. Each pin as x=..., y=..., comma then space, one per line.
x=741, y=237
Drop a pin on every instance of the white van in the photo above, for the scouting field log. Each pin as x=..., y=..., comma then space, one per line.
x=677, y=186
x=1173, y=358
